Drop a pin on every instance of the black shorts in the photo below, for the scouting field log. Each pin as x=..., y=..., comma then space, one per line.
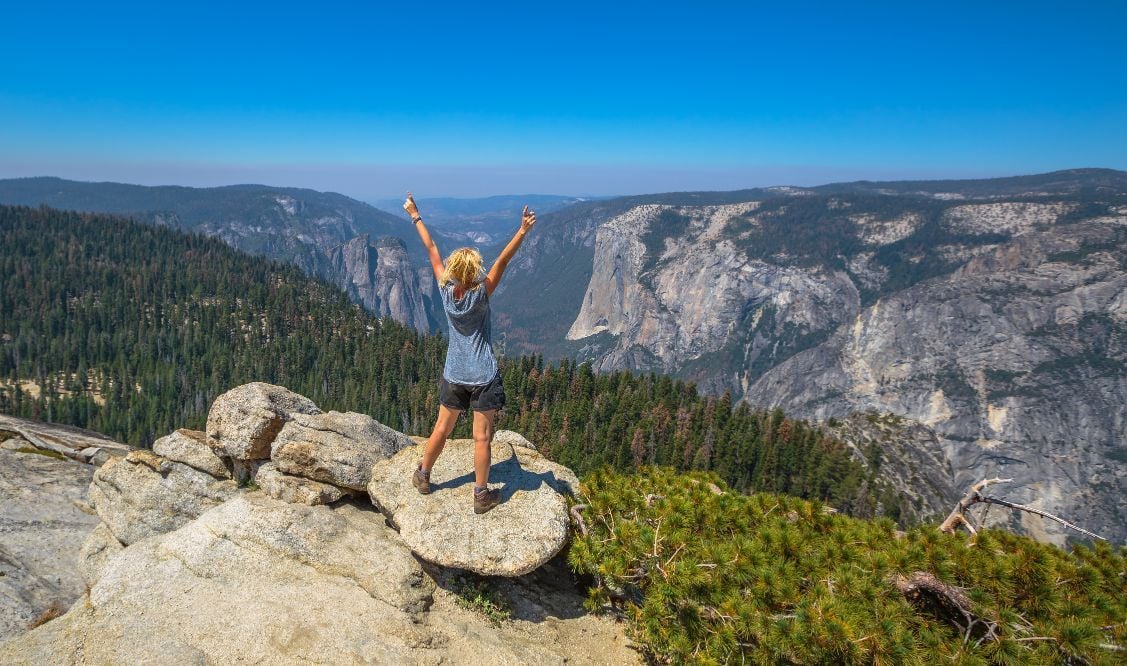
x=481, y=398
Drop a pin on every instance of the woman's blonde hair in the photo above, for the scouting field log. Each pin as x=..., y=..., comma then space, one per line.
x=463, y=266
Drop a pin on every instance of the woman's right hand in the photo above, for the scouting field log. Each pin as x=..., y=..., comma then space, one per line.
x=410, y=206
x=527, y=219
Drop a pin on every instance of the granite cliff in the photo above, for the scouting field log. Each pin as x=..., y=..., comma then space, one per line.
x=383, y=279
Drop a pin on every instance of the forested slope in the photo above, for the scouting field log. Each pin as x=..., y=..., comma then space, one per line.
x=133, y=330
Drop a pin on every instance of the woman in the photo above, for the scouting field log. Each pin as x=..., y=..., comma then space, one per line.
x=470, y=379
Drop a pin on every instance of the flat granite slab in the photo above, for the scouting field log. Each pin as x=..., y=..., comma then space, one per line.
x=526, y=530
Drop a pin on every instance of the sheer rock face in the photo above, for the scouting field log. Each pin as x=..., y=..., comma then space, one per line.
x=700, y=296
x=382, y=279
x=337, y=448
x=295, y=489
x=1014, y=360
x=191, y=448
x=144, y=494
x=526, y=530
x=43, y=520
x=243, y=422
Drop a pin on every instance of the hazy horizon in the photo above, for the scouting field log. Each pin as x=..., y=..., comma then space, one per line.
x=137, y=175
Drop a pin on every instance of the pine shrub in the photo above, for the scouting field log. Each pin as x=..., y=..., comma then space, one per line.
x=707, y=575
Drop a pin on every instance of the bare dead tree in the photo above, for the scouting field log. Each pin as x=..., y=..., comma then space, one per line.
x=958, y=515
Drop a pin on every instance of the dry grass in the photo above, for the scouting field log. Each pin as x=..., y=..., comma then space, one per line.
x=52, y=611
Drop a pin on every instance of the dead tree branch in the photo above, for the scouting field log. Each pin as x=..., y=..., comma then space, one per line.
x=578, y=518
x=1021, y=507
x=959, y=516
x=945, y=602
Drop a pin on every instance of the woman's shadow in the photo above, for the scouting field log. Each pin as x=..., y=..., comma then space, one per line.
x=510, y=477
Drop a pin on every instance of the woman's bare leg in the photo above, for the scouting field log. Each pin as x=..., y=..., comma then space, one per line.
x=442, y=429
x=482, y=440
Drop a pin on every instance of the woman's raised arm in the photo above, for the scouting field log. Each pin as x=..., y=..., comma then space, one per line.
x=428, y=242
x=527, y=220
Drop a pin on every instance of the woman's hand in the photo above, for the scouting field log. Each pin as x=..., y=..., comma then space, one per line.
x=527, y=219
x=493, y=278
x=411, y=208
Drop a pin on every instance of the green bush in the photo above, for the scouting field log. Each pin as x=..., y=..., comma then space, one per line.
x=479, y=594
x=707, y=575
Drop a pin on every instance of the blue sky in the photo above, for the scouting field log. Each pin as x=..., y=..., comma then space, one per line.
x=459, y=99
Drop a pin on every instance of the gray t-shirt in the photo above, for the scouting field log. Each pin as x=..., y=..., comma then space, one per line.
x=469, y=355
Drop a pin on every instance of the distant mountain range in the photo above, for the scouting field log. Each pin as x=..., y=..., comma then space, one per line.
x=347, y=242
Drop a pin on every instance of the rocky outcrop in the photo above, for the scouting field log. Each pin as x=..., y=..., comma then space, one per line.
x=44, y=515
x=144, y=494
x=253, y=580
x=295, y=489
x=191, y=448
x=382, y=279
x=337, y=448
x=509, y=438
x=75, y=443
x=526, y=530
x=43, y=519
x=243, y=422
x=256, y=579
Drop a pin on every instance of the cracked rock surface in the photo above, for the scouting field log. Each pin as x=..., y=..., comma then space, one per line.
x=337, y=448
x=144, y=494
x=42, y=525
x=243, y=422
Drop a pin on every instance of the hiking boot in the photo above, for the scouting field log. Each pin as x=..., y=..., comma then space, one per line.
x=485, y=500
x=421, y=481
